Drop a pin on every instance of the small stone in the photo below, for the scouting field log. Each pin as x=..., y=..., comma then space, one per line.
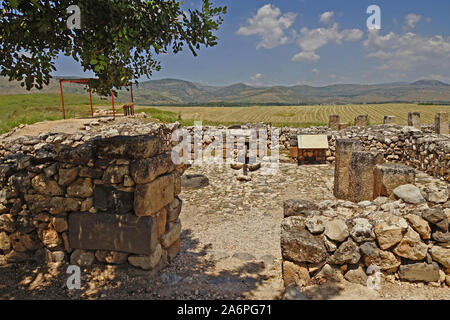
x=60, y=224
x=194, y=181
x=115, y=174
x=315, y=225
x=347, y=253
x=46, y=186
x=409, y=193
x=297, y=274
x=243, y=256
x=81, y=188
x=419, y=272
x=111, y=257
x=362, y=230
x=243, y=178
x=67, y=176
x=50, y=238
x=336, y=230
x=147, y=262
x=356, y=276
x=172, y=235
x=388, y=235
x=411, y=247
x=330, y=245
x=331, y=273
x=436, y=196
x=82, y=258
x=441, y=255
x=299, y=245
x=5, y=243
x=437, y=217
x=299, y=208
x=385, y=260
x=419, y=225
x=380, y=201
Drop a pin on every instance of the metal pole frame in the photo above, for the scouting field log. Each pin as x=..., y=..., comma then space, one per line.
x=132, y=98
x=62, y=99
x=112, y=99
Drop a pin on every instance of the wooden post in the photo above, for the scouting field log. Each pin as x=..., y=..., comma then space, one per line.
x=112, y=99
x=90, y=97
x=132, y=99
x=62, y=99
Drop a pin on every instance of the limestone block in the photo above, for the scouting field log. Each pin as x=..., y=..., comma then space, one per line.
x=414, y=120
x=361, y=120
x=151, y=197
x=361, y=175
x=147, y=170
x=441, y=123
x=129, y=147
x=334, y=121
x=389, y=176
x=389, y=120
x=103, y=231
x=293, y=273
x=344, y=149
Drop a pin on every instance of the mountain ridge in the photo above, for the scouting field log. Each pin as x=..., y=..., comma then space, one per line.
x=182, y=92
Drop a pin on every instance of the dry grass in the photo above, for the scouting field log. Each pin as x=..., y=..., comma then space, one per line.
x=305, y=115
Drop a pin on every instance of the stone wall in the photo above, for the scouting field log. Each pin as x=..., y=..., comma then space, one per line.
x=336, y=240
x=421, y=149
x=80, y=198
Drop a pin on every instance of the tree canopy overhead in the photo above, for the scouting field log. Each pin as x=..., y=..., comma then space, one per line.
x=118, y=39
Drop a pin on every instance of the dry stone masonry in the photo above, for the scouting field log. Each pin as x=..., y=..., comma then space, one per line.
x=335, y=240
x=80, y=198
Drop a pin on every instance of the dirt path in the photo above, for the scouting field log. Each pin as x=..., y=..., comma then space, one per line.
x=230, y=249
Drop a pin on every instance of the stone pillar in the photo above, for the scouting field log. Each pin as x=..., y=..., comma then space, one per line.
x=333, y=123
x=389, y=120
x=361, y=175
x=414, y=120
x=344, y=149
x=389, y=176
x=361, y=120
x=441, y=123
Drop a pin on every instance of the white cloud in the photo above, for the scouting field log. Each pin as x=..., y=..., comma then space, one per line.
x=411, y=20
x=326, y=17
x=408, y=51
x=269, y=24
x=257, y=76
x=306, y=56
x=315, y=71
x=311, y=40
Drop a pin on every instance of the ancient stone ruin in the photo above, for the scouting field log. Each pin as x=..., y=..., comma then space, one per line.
x=336, y=239
x=108, y=199
x=362, y=228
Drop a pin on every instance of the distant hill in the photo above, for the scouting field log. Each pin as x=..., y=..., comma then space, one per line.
x=180, y=92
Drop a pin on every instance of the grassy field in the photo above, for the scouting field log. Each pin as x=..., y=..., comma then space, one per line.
x=303, y=115
x=31, y=108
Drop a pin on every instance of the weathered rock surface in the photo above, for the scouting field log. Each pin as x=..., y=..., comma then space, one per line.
x=409, y=193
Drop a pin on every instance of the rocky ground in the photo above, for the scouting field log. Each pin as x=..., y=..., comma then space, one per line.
x=230, y=248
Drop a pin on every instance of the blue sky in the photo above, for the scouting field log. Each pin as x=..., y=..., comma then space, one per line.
x=290, y=42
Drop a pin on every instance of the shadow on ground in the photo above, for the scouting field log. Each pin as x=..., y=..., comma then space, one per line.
x=190, y=276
